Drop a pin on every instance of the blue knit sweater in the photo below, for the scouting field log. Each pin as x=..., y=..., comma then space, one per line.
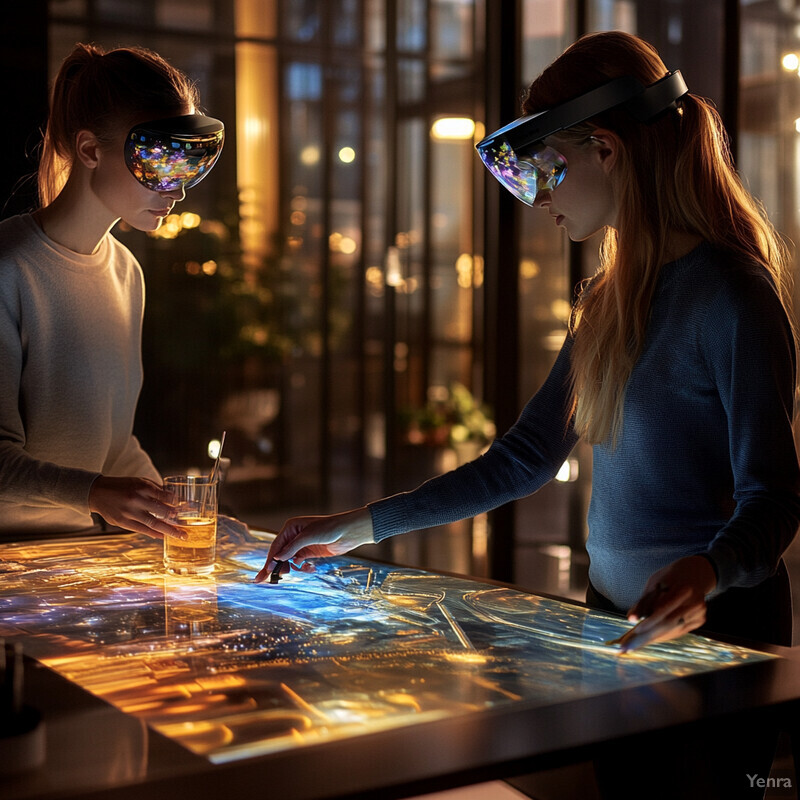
x=705, y=462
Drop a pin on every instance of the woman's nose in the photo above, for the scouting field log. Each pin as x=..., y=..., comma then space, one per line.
x=175, y=194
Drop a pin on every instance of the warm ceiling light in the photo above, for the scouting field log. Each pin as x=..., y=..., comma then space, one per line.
x=790, y=62
x=453, y=128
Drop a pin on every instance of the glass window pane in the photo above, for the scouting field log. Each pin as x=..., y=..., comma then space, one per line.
x=121, y=11
x=406, y=268
x=302, y=20
x=346, y=22
x=544, y=302
x=452, y=264
x=374, y=21
x=412, y=25
x=452, y=28
x=768, y=141
x=410, y=80
x=185, y=14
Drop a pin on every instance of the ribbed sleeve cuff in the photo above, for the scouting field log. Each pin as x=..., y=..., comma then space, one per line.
x=726, y=568
x=388, y=517
x=72, y=488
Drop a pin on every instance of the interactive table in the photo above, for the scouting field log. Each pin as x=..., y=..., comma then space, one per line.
x=359, y=678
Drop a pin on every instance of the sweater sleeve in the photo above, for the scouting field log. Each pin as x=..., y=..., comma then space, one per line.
x=516, y=465
x=749, y=351
x=23, y=478
x=133, y=462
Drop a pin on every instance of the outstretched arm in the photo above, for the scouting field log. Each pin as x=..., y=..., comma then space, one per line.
x=302, y=538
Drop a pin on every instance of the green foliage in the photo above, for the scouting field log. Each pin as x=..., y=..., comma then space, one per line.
x=451, y=416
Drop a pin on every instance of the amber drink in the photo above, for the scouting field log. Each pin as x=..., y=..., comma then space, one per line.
x=195, y=513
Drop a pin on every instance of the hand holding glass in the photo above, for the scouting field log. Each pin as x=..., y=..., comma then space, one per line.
x=194, y=500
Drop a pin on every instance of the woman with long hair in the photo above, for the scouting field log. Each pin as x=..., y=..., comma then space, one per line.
x=124, y=140
x=678, y=367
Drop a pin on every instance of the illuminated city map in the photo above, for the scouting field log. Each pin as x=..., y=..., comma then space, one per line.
x=232, y=669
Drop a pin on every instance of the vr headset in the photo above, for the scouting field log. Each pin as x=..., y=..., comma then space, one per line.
x=166, y=154
x=517, y=156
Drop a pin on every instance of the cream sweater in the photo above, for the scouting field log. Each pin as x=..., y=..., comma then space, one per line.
x=70, y=376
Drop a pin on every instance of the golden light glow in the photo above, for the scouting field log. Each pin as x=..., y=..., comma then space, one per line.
x=790, y=62
x=569, y=471
x=347, y=155
x=189, y=219
x=467, y=657
x=355, y=648
x=469, y=270
x=528, y=268
x=309, y=155
x=339, y=243
x=394, y=271
x=453, y=128
x=561, y=309
x=174, y=224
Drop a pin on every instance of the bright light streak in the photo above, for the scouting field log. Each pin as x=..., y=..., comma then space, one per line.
x=449, y=128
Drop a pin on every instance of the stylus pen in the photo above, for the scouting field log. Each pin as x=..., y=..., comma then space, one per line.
x=275, y=575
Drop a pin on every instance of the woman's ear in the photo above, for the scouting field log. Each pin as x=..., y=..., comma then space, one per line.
x=607, y=146
x=87, y=149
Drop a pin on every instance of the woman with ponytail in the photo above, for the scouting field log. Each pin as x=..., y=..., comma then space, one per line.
x=72, y=296
x=678, y=367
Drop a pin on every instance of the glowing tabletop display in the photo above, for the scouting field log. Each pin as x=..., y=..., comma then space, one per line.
x=231, y=669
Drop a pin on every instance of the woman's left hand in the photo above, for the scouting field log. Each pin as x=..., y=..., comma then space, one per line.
x=673, y=602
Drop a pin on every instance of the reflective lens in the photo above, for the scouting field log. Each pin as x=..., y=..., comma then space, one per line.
x=164, y=160
x=538, y=169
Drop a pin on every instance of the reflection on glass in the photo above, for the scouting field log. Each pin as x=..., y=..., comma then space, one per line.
x=231, y=669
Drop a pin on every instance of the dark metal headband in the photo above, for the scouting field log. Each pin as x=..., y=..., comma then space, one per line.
x=642, y=102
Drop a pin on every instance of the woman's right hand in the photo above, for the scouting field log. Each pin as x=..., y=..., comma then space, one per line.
x=134, y=504
x=302, y=538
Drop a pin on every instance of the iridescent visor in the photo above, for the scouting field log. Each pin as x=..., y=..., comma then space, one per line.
x=540, y=169
x=173, y=153
x=517, y=156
